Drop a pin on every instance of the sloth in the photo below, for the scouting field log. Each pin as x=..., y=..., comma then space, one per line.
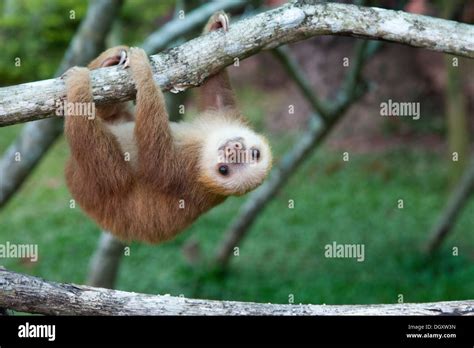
x=144, y=178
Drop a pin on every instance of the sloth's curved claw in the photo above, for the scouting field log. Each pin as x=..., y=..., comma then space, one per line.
x=217, y=21
x=178, y=88
x=124, y=59
x=223, y=20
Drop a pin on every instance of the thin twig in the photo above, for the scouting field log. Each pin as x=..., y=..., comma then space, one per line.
x=456, y=202
x=293, y=69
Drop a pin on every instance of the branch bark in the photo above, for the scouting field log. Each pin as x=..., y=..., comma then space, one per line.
x=189, y=64
x=33, y=295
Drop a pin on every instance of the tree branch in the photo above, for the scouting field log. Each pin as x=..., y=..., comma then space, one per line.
x=105, y=262
x=174, y=29
x=90, y=37
x=33, y=295
x=454, y=207
x=298, y=76
x=189, y=64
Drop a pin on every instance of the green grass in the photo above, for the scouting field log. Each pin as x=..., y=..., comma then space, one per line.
x=283, y=254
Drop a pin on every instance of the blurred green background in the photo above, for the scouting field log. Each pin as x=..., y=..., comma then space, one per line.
x=283, y=254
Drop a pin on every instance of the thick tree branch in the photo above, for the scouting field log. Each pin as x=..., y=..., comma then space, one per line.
x=189, y=64
x=33, y=295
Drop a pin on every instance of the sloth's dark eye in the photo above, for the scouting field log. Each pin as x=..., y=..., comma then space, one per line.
x=255, y=154
x=224, y=170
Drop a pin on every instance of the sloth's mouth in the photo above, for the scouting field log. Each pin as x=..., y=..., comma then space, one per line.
x=233, y=144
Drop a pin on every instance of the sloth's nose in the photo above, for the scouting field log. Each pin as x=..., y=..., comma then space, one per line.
x=236, y=145
x=233, y=146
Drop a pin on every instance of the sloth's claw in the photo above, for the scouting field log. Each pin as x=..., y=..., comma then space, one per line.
x=223, y=20
x=120, y=58
x=124, y=60
x=179, y=88
x=217, y=21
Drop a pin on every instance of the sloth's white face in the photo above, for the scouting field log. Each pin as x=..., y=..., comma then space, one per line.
x=235, y=160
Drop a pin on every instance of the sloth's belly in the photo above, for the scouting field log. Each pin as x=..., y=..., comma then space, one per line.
x=124, y=134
